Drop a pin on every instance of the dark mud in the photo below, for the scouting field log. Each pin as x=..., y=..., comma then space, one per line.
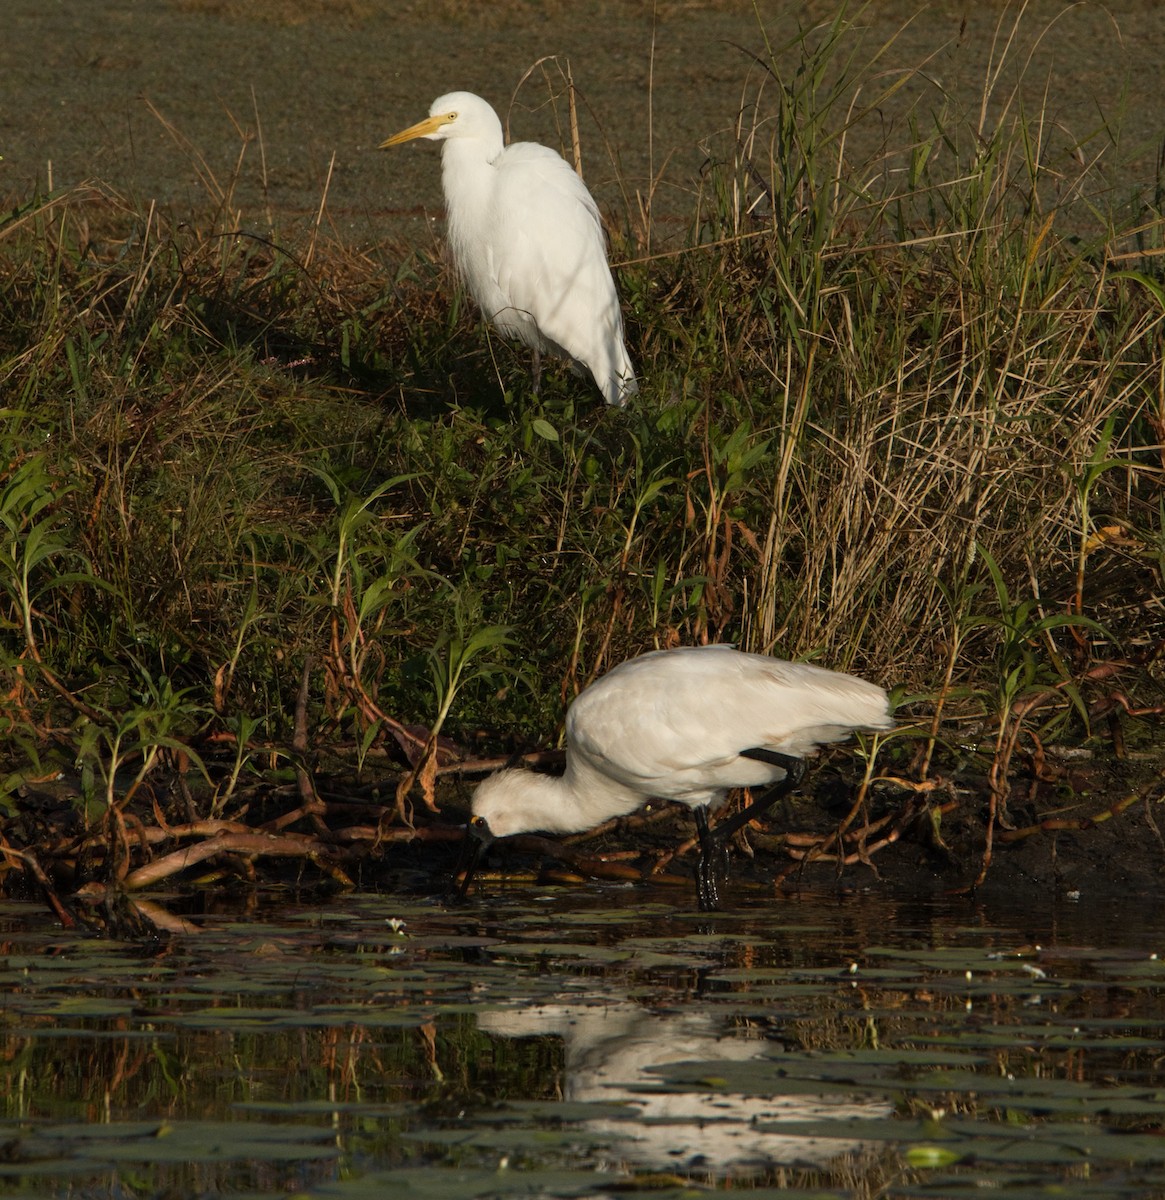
x=1121, y=859
x=1087, y=833
x=276, y=108
x=1095, y=837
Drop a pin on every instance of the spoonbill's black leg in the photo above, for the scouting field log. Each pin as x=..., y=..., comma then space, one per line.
x=794, y=769
x=712, y=869
x=713, y=865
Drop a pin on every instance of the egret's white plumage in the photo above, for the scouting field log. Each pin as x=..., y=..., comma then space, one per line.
x=687, y=724
x=527, y=237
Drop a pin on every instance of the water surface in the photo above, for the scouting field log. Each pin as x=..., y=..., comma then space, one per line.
x=588, y=1041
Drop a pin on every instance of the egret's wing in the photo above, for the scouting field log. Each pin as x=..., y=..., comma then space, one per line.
x=550, y=260
x=549, y=228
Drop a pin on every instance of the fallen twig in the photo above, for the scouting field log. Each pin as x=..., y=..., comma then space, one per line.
x=286, y=845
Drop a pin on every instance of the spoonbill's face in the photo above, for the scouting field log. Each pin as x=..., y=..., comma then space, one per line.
x=497, y=810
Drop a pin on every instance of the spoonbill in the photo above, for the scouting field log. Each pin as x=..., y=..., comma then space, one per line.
x=687, y=724
x=527, y=238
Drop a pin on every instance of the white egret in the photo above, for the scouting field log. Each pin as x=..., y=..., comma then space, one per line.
x=527, y=237
x=687, y=724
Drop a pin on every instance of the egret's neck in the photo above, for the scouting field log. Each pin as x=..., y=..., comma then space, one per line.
x=468, y=173
x=468, y=179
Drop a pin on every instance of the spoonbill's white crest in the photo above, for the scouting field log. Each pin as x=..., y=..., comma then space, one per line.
x=687, y=724
x=527, y=238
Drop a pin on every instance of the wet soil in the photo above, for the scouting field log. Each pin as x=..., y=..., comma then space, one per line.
x=1085, y=832
x=276, y=107
x=1049, y=849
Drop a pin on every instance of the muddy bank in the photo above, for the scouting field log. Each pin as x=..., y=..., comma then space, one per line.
x=276, y=108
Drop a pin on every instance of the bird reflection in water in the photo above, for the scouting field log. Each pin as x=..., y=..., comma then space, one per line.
x=612, y=1052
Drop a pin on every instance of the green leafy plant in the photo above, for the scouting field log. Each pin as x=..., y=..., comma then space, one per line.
x=1029, y=673
x=466, y=654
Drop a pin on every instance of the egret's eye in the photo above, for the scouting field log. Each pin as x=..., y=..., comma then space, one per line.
x=479, y=823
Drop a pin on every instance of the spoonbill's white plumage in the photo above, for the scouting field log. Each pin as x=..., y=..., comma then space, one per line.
x=527, y=237
x=687, y=724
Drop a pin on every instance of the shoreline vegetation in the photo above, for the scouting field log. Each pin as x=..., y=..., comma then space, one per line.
x=286, y=542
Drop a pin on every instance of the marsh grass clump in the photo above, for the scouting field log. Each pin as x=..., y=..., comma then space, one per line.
x=276, y=511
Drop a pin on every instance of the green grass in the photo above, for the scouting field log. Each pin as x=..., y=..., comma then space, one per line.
x=902, y=415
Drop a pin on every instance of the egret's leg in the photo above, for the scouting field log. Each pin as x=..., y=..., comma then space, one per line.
x=536, y=370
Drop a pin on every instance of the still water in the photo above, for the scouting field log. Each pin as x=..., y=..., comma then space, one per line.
x=591, y=1042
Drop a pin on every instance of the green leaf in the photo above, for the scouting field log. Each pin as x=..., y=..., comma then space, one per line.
x=931, y=1156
